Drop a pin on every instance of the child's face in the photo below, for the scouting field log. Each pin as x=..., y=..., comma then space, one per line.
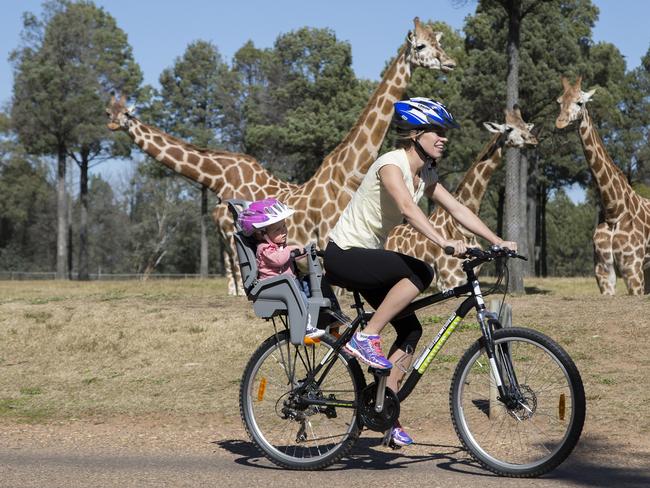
x=277, y=232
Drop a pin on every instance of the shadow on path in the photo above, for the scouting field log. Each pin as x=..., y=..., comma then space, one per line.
x=595, y=463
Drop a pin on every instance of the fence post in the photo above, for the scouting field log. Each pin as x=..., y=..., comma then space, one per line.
x=505, y=317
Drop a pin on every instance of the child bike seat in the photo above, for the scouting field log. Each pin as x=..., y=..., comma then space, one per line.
x=278, y=295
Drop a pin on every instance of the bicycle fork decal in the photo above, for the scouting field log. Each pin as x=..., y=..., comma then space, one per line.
x=431, y=351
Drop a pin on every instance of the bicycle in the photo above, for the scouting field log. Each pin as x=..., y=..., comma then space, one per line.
x=516, y=398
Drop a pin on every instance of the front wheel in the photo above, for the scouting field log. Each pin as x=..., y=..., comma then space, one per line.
x=538, y=425
x=290, y=432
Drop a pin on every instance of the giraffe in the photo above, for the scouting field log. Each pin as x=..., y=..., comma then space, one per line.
x=228, y=174
x=321, y=199
x=405, y=239
x=622, y=237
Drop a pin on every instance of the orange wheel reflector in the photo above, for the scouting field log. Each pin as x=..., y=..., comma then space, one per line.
x=310, y=342
x=562, y=406
x=261, y=389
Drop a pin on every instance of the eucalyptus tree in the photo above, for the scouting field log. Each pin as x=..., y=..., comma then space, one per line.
x=69, y=62
x=636, y=119
x=193, y=94
x=555, y=40
x=27, y=210
x=296, y=100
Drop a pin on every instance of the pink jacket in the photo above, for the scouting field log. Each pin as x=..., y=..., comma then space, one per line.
x=273, y=260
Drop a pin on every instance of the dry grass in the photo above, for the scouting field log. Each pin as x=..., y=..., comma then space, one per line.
x=100, y=349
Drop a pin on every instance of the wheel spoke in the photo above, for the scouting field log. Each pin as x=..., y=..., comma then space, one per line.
x=530, y=438
x=289, y=433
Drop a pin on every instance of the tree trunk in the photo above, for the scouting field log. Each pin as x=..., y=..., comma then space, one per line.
x=204, y=232
x=222, y=254
x=538, y=230
x=525, y=245
x=83, y=273
x=500, y=207
x=544, y=248
x=62, y=214
x=513, y=204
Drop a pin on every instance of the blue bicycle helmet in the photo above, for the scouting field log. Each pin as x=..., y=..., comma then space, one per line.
x=422, y=114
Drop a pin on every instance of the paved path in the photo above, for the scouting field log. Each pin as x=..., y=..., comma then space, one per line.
x=147, y=456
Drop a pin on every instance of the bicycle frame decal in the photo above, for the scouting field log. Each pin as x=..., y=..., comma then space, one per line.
x=432, y=350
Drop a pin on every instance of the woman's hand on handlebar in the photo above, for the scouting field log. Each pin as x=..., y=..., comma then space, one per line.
x=458, y=248
x=511, y=245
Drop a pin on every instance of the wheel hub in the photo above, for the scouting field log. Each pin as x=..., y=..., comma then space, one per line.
x=525, y=404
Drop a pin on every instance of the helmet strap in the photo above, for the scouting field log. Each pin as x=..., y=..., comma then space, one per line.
x=429, y=160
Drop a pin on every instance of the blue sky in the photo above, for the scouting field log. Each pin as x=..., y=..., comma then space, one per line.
x=160, y=30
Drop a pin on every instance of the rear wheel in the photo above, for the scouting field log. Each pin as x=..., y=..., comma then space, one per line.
x=539, y=428
x=288, y=433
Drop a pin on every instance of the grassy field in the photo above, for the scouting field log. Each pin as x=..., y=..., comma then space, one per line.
x=178, y=347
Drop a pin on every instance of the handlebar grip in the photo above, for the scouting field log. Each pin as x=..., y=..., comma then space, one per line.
x=449, y=250
x=296, y=253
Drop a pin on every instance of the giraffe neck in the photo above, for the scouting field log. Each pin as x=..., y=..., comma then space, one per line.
x=229, y=175
x=346, y=165
x=472, y=187
x=611, y=182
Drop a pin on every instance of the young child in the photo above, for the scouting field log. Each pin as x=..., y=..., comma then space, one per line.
x=265, y=221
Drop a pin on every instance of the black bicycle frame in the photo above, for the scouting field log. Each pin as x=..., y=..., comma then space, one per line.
x=474, y=300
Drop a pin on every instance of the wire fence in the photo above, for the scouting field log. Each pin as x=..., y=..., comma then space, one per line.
x=51, y=275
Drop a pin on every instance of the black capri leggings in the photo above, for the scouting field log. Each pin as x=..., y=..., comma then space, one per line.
x=373, y=272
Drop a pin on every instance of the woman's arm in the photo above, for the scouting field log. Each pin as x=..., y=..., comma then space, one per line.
x=392, y=179
x=467, y=218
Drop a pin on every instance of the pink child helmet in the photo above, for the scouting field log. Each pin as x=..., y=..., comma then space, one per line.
x=262, y=213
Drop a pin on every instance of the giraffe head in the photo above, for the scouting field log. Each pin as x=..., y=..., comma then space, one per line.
x=424, y=49
x=572, y=102
x=119, y=115
x=516, y=131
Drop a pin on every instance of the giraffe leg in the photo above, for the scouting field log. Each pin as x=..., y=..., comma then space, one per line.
x=631, y=267
x=604, y=260
x=646, y=279
x=222, y=219
x=233, y=275
x=629, y=252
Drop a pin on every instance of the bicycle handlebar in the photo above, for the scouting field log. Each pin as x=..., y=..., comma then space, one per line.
x=492, y=253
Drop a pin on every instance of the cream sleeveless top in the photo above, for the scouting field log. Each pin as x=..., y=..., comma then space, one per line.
x=372, y=213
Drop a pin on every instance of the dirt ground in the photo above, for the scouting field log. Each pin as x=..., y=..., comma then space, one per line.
x=144, y=366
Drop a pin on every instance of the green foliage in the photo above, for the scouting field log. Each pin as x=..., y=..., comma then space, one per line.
x=27, y=211
x=296, y=101
x=570, y=230
x=289, y=106
x=78, y=56
x=192, y=94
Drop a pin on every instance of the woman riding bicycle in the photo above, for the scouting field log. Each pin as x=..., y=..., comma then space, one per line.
x=389, y=194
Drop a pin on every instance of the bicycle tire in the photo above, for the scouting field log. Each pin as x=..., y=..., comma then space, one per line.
x=295, y=443
x=529, y=441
